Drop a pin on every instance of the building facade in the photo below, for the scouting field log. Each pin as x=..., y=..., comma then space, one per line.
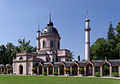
x=48, y=50
x=50, y=58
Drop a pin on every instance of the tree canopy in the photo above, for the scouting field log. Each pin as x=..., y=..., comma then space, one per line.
x=8, y=51
x=107, y=47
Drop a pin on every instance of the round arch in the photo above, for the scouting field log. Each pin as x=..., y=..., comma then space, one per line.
x=40, y=69
x=20, y=69
x=50, y=69
x=74, y=68
x=61, y=69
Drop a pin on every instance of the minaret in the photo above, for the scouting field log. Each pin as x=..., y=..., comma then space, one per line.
x=87, y=38
x=38, y=39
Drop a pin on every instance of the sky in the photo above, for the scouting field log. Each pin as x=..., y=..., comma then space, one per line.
x=19, y=19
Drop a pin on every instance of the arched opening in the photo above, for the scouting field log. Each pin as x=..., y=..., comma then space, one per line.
x=2, y=69
x=50, y=67
x=44, y=44
x=89, y=69
x=74, y=69
x=21, y=58
x=40, y=70
x=106, y=70
x=115, y=71
x=20, y=69
x=61, y=69
x=8, y=68
x=51, y=44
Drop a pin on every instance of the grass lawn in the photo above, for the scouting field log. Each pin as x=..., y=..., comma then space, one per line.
x=10, y=79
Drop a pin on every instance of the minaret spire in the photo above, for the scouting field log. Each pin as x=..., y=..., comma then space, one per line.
x=38, y=28
x=50, y=16
x=50, y=22
x=87, y=12
x=87, y=38
x=38, y=39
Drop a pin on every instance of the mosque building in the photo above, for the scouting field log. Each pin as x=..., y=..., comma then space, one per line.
x=50, y=58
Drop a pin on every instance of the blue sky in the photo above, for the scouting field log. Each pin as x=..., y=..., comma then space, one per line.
x=19, y=19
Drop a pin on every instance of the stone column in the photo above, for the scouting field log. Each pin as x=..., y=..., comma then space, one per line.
x=84, y=70
x=38, y=70
x=47, y=70
x=110, y=70
x=58, y=70
x=1, y=70
x=42, y=69
x=7, y=70
x=78, y=70
x=53, y=69
x=71, y=70
x=119, y=70
x=93, y=70
x=101, y=70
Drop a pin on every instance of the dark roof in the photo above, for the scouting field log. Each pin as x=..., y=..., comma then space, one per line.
x=98, y=62
x=68, y=64
x=114, y=62
x=50, y=29
x=82, y=63
x=56, y=64
x=47, y=63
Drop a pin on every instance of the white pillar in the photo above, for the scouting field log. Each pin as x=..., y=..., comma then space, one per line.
x=93, y=70
x=71, y=70
x=85, y=70
x=58, y=70
x=87, y=40
x=101, y=71
x=110, y=70
x=119, y=70
x=38, y=40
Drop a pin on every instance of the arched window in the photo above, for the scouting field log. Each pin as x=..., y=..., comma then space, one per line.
x=21, y=58
x=53, y=59
x=51, y=43
x=46, y=59
x=58, y=44
x=44, y=45
x=20, y=69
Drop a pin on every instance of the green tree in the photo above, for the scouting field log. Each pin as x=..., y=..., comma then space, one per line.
x=78, y=57
x=16, y=50
x=71, y=55
x=118, y=28
x=111, y=33
x=34, y=49
x=117, y=41
x=99, y=49
x=10, y=47
x=24, y=46
x=3, y=55
x=110, y=47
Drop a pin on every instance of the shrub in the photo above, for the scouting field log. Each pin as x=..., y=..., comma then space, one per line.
x=10, y=69
x=81, y=70
x=114, y=74
x=97, y=73
x=67, y=70
x=4, y=72
x=44, y=73
x=34, y=70
x=55, y=73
